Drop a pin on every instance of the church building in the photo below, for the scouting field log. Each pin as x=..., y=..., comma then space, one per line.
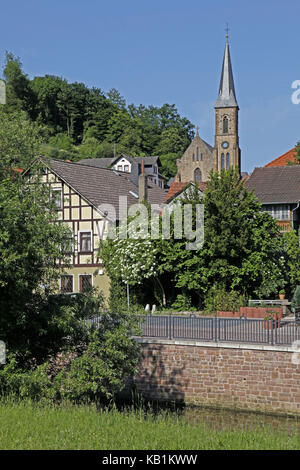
x=200, y=157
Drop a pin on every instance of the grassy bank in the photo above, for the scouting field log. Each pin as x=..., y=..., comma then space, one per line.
x=25, y=426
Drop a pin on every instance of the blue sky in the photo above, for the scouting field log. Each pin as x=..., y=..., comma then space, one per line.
x=171, y=51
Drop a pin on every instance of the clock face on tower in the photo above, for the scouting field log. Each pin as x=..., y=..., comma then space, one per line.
x=225, y=145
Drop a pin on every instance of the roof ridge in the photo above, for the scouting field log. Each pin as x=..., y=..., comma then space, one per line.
x=272, y=162
x=86, y=165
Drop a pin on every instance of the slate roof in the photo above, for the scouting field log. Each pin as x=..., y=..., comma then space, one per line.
x=103, y=186
x=226, y=98
x=107, y=162
x=275, y=184
x=97, y=162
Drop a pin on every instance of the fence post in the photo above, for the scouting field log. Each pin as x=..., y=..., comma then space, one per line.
x=275, y=334
x=217, y=332
x=170, y=326
x=271, y=324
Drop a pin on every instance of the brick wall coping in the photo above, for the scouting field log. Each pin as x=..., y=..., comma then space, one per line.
x=224, y=345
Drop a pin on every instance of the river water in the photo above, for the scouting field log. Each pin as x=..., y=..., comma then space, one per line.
x=238, y=420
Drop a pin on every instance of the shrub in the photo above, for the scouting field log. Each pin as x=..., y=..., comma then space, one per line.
x=183, y=302
x=296, y=298
x=96, y=368
x=220, y=299
x=34, y=384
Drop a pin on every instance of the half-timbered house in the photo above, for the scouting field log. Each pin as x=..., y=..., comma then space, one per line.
x=88, y=199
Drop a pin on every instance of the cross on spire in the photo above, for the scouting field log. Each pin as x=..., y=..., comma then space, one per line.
x=227, y=30
x=226, y=98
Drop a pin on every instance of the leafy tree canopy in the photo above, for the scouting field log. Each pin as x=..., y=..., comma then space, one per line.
x=72, y=113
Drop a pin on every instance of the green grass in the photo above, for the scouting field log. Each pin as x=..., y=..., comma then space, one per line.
x=31, y=427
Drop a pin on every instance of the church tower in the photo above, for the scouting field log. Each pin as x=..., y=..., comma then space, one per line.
x=226, y=150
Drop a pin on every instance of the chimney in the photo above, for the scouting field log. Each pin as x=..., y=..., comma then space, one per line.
x=142, y=184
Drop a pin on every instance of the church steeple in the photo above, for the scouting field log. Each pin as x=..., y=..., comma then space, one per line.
x=226, y=98
x=226, y=150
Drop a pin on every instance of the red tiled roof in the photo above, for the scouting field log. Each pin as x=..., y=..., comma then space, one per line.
x=284, y=159
x=177, y=187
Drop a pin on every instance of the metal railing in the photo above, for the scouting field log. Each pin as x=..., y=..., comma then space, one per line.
x=214, y=329
x=267, y=302
x=239, y=330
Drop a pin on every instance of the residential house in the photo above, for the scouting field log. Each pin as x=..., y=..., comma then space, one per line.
x=179, y=190
x=89, y=199
x=287, y=158
x=278, y=190
x=128, y=164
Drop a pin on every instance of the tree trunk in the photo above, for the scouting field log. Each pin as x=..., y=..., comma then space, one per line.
x=162, y=291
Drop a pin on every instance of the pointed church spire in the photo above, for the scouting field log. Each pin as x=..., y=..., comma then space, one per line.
x=226, y=98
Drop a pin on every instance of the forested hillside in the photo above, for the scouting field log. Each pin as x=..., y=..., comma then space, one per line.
x=77, y=122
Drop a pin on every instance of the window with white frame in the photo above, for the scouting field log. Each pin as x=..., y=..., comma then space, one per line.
x=85, y=282
x=66, y=283
x=278, y=211
x=85, y=241
x=68, y=244
x=57, y=197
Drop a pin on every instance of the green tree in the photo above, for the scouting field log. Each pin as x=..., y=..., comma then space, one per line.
x=20, y=96
x=47, y=90
x=168, y=164
x=30, y=248
x=115, y=97
x=291, y=260
x=241, y=249
x=133, y=259
x=110, y=357
x=20, y=140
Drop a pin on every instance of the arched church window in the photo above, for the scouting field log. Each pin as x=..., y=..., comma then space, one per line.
x=193, y=157
x=227, y=161
x=197, y=175
x=197, y=154
x=222, y=161
x=225, y=125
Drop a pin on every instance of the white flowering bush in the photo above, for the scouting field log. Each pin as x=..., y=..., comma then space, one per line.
x=133, y=260
x=131, y=256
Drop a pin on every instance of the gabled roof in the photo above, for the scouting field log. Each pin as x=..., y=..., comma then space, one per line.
x=147, y=160
x=275, y=184
x=108, y=162
x=97, y=185
x=285, y=159
x=97, y=162
x=102, y=186
x=177, y=188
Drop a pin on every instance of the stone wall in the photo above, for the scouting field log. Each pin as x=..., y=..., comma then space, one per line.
x=257, y=378
x=198, y=155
